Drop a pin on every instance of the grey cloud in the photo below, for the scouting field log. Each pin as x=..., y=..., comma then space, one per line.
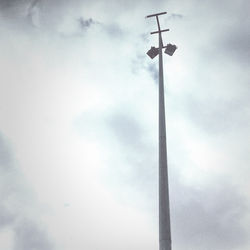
x=229, y=38
x=86, y=23
x=51, y=13
x=129, y=134
x=122, y=129
x=143, y=62
x=16, y=7
x=231, y=42
x=120, y=124
x=5, y=155
x=10, y=3
x=13, y=199
x=209, y=217
x=152, y=68
x=28, y=235
x=175, y=16
x=19, y=13
x=48, y=14
x=215, y=115
x=236, y=43
x=133, y=162
x=114, y=30
x=31, y=11
x=6, y=217
x=12, y=10
x=126, y=129
x=139, y=156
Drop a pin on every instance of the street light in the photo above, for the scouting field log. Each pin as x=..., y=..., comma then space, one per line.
x=164, y=210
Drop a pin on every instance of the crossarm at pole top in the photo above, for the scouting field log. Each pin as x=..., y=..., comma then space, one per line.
x=156, y=32
x=157, y=14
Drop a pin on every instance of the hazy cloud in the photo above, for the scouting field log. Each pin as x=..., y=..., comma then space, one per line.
x=209, y=218
x=86, y=23
x=28, y=235
x=107, y=87
x=10, y=3
x=143, y=62
x=6, y=217
x=114, y=30
x=13, y=201
x=237, y=46
x=216, y=115
x=126, y=130
x=5, y=155
x=175, y=16
x=153, y=71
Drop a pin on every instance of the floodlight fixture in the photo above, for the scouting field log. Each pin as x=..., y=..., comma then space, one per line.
x=170, y=49
x=153, y=52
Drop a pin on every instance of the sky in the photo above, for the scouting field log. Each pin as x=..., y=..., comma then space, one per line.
x=79, y=124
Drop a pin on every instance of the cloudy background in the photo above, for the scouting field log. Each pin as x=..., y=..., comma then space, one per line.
x=78, y=124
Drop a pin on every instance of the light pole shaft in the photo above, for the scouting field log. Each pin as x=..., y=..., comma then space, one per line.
x=164, y=209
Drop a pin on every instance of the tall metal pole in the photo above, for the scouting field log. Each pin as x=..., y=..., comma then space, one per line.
x=164, y=208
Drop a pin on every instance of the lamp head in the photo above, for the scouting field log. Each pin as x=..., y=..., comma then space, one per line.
x=170, y=49
x=153, y=52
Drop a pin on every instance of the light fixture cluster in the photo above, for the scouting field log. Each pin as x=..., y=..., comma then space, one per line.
x=169, y=50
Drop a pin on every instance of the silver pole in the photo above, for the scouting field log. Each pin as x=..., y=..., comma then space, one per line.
x=164, y=209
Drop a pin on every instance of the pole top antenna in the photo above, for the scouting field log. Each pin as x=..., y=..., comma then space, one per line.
x=157, y=14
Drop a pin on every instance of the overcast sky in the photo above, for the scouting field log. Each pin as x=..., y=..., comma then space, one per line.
x=78, y=124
